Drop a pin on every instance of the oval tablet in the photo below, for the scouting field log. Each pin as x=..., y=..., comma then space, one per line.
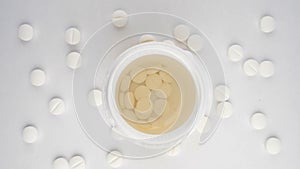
x=143, y=105
x=167, y=88
x=140, y=77
x=154, y=81
x=142, y=92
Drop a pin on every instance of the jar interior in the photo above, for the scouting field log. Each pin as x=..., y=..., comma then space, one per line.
x=155, y=94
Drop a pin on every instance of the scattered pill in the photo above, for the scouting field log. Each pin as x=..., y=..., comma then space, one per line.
x=181, y=33
x=258, y=121
x=142, y=92
x=273, y=145
x=154, y=81
x=38, y=77
x=25, y=32
x=140, y=77
x=56, y=106
x=129, y=100
x=222, y=93
x=266, y=69
x=114, y=159
x=251, y=67
x=95, y=98
x=77, y=162
x=73, y=60
x=30, y=134
x=119, y=18
x=174, y=151
x=146, y=38
x=267, y=24
x=72, y=36
x=235, y=53
x=195, y=42
x=224, y=109
x=60, y=163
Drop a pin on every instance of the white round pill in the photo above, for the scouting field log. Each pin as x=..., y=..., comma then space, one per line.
x=25, y=32
x=72, y=36
x=235, y=53
x=73, y=60
x=119, y=18
x=266, y=69
x=273, y=145
x=251, y=67
x=37, y=77
x=225, y=109
x=267, y=24
x=60, y=163
x=174, y=151
x=195, y=42
x=95, y=98
x=181, y=33
x=146, y=38
x=77, y=162
x=114, y=159
x=30, y=134
x=222, y=93
x=56, y=106
x=258, y=121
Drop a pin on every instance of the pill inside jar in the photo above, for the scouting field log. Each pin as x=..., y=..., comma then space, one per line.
x=155, y=94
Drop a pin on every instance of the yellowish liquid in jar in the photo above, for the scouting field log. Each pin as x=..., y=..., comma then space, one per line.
x=149, y=100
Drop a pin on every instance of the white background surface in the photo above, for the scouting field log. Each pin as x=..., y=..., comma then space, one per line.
x=235, y=145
